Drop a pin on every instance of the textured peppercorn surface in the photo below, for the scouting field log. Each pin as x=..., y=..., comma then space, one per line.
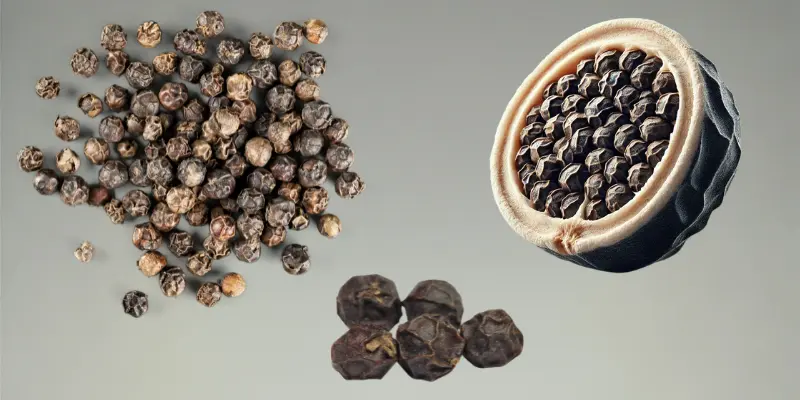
x=364, y=353
x=369, y=300
x=435, y=297
x=492, y=339
x=429, y=347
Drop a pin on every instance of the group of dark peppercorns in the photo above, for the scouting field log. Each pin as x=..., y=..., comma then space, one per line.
x=598, y=135
x=430, y=344
x=248, y=172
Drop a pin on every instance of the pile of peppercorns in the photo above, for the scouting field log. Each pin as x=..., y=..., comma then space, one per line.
x=430, y=344
x=598, y=135
x=249, y=172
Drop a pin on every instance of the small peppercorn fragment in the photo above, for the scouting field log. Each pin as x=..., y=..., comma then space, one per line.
x=48, y=87
x=151, y=263
x=349, y=185
x=364, y=353
x=172, y=281
x=233, y=285
x=84, y=62
x=329, y=226
x=435, y=297
x=84, y=252
x=429, y=347
x=369, y=300
x=209, y=294
x=74, y=191
x=134, y=303
x=46, y=181
x=149, y=34
x=115, y=211
x=146, y=236
x=90, y=105
x=295, y=259
x=492, y=339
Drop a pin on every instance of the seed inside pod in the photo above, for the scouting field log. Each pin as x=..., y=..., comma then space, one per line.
x=652, y=104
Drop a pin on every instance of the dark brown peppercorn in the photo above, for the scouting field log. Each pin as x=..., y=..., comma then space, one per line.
x=261, y=180
x=656, y=151
x=288, y=36
x=300, y=221
x=369, y=300
x=337, y=131
x=548, y=167
x=539, y=192
x=209, y=294
x=198, y=215
x=191, y=172
x=96, y=150
x=589, y=86
x=612, y=82
x=280, y=99
x=573, y=103
x=180, y=243
x=30, y=159
x=364, y=353
x=189, y=42
x=136, y=203
x=210, y=23
x=635, y=152
x=178, y=149
x=603, y=136
x=245, y=110
x=172, y=281
x=492, y=339
x=606, y=61
x=551, y=107
x=113, y=174
x=146, y=237
x=219, y=184
x=573, y=122
x=617, y=196
x=173, y=96
x=625, y=98
x=312, y=64
x=539, y=148
x=563, y=152
x=113, y=37
x=258, y=151
x=230, y=51
x=112, y=129
x=191, y=68
x=630, y=59
x=260, y=46
x=250, y=225
x=247, y=250
x=309, y=142
x=294, y=120
x=155, y=149
x=251, y=201
x=67, y=128
x=295, y=259
x=84, y=62
x=166, y=63
x=339, y=157
x=642, y=77
x=139, y=74
x=237, y=165
x=222, y=228
x=552, y=205
x=193, y=111
x=216, y=249
x=144, y=104
x=349, y=185
x=596, y=209
x=616, y=170
x=46, y=181
x=283, y=168
x=115, y=211
x=595, y=187
x=307, y=90
x=549, y=90
x=288, y=72
x=573, y=176
x=315, y=200
x=280, y=212
x=429, y=347
x=163, y=218
x=74, y=191
x=134, y=303
x=199, y=263
x=567, y=85
x=625, y=134
x=117, y=62
x=598, y=109
x=90, y=104
x=664, y=83
x=667, y=106
x=160, y=171
x=181, y=199
x=554, y=127
x=571, y=204
x=212, y=83
x=48, y=87
x=655, y=128
x=581, y=143
x=584, y=67
x=638, y=175
x=435, y=297
x=273, y=236
x=596, y=160
x=312, y=172
x=291, y=191
x=116, y=98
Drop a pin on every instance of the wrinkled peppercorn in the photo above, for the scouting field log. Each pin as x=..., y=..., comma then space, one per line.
x=48, y=87
x=191, y=69
x=137, y=173
x=288, y=36
x=369, y=300
x=112, y=129
x=30, y=158
x=617, y=196
x=74, y=191
x=295, y=259
x=288, y=72
x=260, y=46
x=113, y=174
x=233, y=285
x=315, y=200
x=149, y=34
x=84, y=252
x=117, y=62
x=146, y=236
x=181, y=199
x=172, y=281
x=46, y=181
x=339, y=157
x=247, y=250
x=349, y=185
x=273, y=236
x=209, y=294
x=136, y=203
x=115, y=211
x=364, y=353
x=139, y=74
x=317, y=114
x=189, y=42
x=312, y=172
x=166, y=63
x=151, y=263
x=134, y=303
x=492, y=339
x=435, y=297
x=90, y=105
x=230, y=51
x=199, y=263
x=163, y=218
x=429, y=347
x=67, y=128
x=84, y=62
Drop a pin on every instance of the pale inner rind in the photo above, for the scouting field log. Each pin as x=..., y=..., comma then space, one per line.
x=577, y=235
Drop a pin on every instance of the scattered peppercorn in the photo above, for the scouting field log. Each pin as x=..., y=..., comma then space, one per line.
x=364, y=353
x=492, y=339
x=134, y=303
x=48, y=87
x=233, y=285
x=429, y=347
x=435, y=297
x=295, y=259
x=209, y=294
x=369, y=300
x=84, y=252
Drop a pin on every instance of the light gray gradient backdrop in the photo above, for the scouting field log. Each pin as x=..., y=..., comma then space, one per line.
x=424, y=84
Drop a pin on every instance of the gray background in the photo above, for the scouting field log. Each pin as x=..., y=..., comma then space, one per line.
x=423, y=85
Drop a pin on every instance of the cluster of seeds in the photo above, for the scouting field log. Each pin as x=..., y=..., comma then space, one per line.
x=430, y=344
x=249, y=170
x=598, y=135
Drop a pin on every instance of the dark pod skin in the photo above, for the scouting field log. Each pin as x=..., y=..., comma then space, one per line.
x=370, y=300
x=435, y=297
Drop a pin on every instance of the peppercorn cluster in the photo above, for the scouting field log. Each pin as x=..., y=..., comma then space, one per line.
x=598, y=134
x=244, y=149
x=430, y=344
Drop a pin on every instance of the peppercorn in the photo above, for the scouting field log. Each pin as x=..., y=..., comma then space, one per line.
x=617, y=196
x=589, y=86
x=165, y=63
x=596, y=160
x=300, y=220
x=74, y=191
x=307, y=90
x=199, y=263
x=136, y=203
x=250, y=225
x=178, y=149
x=216, y=249
x=315, y=31
x=548, y=167
x=181, y=199
x=295, y=259
x=539, y=192
x=612, y=82
x=247, y=250
x=209, y=294
x=163, y=218
x=625, y=98
x=280, y=99
x=369, y=300
x=139, y=75
x=273, y=236
x=117, y=62
x=219, y=184
x=191, y=68
x=312, y=64
x=151, y=263
x=539, y=148
x=598, y=109
x=113, y=174
x=638, y=175
x=584, y=67
x=656, y=151
x=112, y=129
x=552, y=205
x=349, y=185
x=260, y=46
x=115, y=211
x=315, y=200
x=596, y=209
x=67, y=128
x=616, y=170
x=571, y=204
x=288, y=36
x=84, y=62
x=554, y=128
x=212, y=82
x=339, y=157
x=364, y=353
x=642, y=77
x=492, y=339
x=655, y=128
x=173, y=96
x=149, y=34
x=567, y=85
x=606, y=61
x=625, y=134
x=98, y=196
x=172, y=281
x=46, y=181
x=146, y=236
x=116, y=98
x=636, y=151
x=134, y=303
x=312, y=172
x=189, y=42
x=603, y=136
x=137, y=173
x=251, y=201
x=84, y=252
x=288, y=72
x=160, y=192
x=435, y=297
x=48, y=87
x=30, y=158
x=210, y=23
x=667, y=107
x=429, y=347
x=258, y=151
x=237, y=165
x=337, y=131
x=90, y=105
x=317, y=114
x=230, y=51
x=160, y=170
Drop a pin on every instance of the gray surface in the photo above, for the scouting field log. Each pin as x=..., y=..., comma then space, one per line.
x=423, y=86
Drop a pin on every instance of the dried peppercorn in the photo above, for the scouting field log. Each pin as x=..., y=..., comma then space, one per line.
x=339, y=157
x=655, y=128
x=349, y=185
x=216, y=249
x=46, y=182
x=233, y=285
x=48, y=87
x=181, y=199
x=90, y=105
x=291, y=191
x=369, y=300
x=84, y=62
x=209, y=294
x=172, y=281
x=84, y=252
x=189, y=42
x=280, y=99
x=151, y=263
x=638, y=175
x=312, y=64
x=191, y=69
x=435, y=297
x=140, y=75
x=288, y=72
x=146, y=236
x=199, y=263
x=312, y=172
x=136, y=203
x=492, y=339
x=288, y=36
x=596, y=209
x=429, y=347
x=98, y=196
x=30, y=158
x=144, y=104
x=258, y=151
x=307, y=90
x=116, y=98
x=113, y=174
x=148, y=34
x=300, y=220
x=273, y=236
x=295, y=259
x=260, y=46
x=117, y=62
x=230, y=51
x=617, y=196
x=317, y=114
x=250, y=225
x=656, y=151
x=180, y=243
x=112, y=129
x=364, y=353
x=173, y=96
x=596, y=186
x=210, y=23
x=166, y=63
x=135, y=303
x=247, y=250
x=219, y=184
x=74, y=191
x=163, y=218
x=67, y=128
x=137, y=173
x=337, y=131
x=315, y=31
x=160, y=171
x=329, y=225
x=315, y=200
x=115, y=211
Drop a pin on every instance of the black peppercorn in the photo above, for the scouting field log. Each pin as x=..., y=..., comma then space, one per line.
x=636, y=151
x=667, y=106
x=571, y=204
x=300, y=220
x=589, y=86
x=250, y=225
x=624, y=135
x=67, y=128
x=178, y=149
x=549, y=90
x=230, y=51
x=113, y=37
x=216, y=249
x=429, y=347
x=191, y=69
x=573, y=176
x=664, y=83
x=98, y=196
x=117, y=62
x=492, y=339
x=139, y=74
x=90, y=105
x=160, y=171
x=551, y=107
x=563, y=151
x=349, y=185
x=612, y=82
x=435, y=297
x=46, y=181
x=598, y=109
x=260, y=46
x=251, y=201
x=315, y=200
x=625, y=98
x=616, y=170
x=548, y=167
x=638, y=175
x=656, y=151
x=283, y=168
x=630, y=59
x=209, y=294
x=199, y=263
x=337, y=131
x=596, y=160
x=155, y=149
x=552, y=205
x=280, y=211
x=48, y=87
x=163, y=218
x=172, y=281
x=596, y=209
x=134, y=303
x=84, y=62
x=210, y=23
x=585, y=67
x=603, y=136
x=655, y=128
x=136, y=203
x=573, y=103
x=288, y=36
x=181, y=199
x=567, y=85
x=606, y=61
x=307, y=90
x=280, y=99
x=279, y=134
x=295, y=259
x=189, y=42
x=112, y=129
x=173, y=96
x=247, y=250
x=115, y=211
x=146, y=237
x=642, y=77
x=312, y=172
x=595, y=186
x=312, y=64
x=539, y=192
x=369, y=300
x=237, y=165
x=581, y=143
x=554, y=127
x=74, y=191
x=116, y=98
x=364, y=353
x=339, y=157
x=617, y=196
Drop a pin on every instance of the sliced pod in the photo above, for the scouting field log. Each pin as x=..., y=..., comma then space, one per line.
x=669, y=133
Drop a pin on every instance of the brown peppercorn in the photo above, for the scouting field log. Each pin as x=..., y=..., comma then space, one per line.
x=245, y=110
x=189, y=42
x=180, y=243
x=315, y=200
x=178, y=149
x=113, y=37
x=202, y=150
x=127, y=148
x=339, y=157
x=307, y=90
x=144, y=104
x=312, y=172
x=181, y=199
x=84, y=62
x=247, y=250
x=151, y=263
x=329, y=226
x=163, y=218
x=172, y=281
x=337, y=131
x=280, y=99
x=90, y=104
x=115, y=211
x=230, y=51
x=239, y=86
x=139, y=75
x=250, y=225
x=199, y=263
x=210, y=23
x=280, y=211
x=96, y=150
x=67, y=161
x=364, y=353
x=166, y=63
x=146, y=237
x=209, y=294
x=67, y=128
x=273, y=236
x=74, y=191
x=149, y=34
x=295, y=259
x=349, y=185
x=198, y=215
x=300, y=220
x=215, y=248
x=294, y=120
x=312, y=64
x=117, y=62
x=173, y=96
x=136, y=203
x=315, y=31
x=492, y=339
x=309, y=142
x=113, y=174
x=48, y=87
x=291, y=191
x=233, y=285
x=84, y=252
x=112, y=129
x=288, y=72
x=258, y=151
x=116, y=98
x=283, y=168
x=288, y=36
x=46, y=182
x=279, y=134
x=317, y=114
x=260, y=46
